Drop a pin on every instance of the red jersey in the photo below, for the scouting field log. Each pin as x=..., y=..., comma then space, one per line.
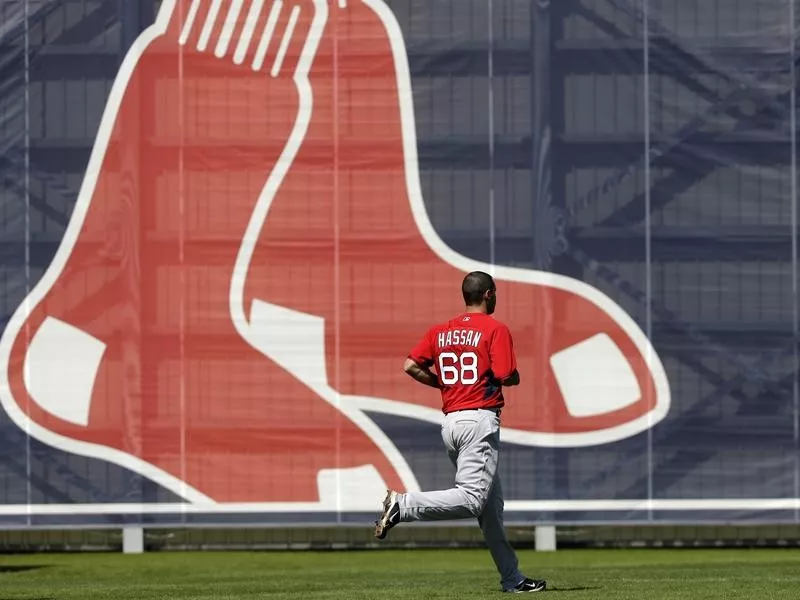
x=470, y=352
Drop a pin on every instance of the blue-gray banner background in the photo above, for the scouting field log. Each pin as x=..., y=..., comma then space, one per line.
x=647, y=147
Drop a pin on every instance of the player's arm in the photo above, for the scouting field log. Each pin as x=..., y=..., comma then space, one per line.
x=419, y=362
x=502, y=357
x=421, y=373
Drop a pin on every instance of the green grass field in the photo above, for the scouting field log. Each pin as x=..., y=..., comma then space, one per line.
x=390, y=574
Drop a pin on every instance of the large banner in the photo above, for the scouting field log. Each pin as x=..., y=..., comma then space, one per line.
x=227, y=222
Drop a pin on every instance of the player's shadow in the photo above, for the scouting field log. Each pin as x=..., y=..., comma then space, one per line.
x=577, y=588
x=20, y=568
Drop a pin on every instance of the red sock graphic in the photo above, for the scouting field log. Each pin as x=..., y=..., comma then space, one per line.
x=349, y=216
x=126, y=349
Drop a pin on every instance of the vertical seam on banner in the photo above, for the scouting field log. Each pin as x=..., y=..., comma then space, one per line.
x=648, y=241
x=793, y=171
x=492, y=225
x=336, y=267
x=27, y=178
x=181, y=255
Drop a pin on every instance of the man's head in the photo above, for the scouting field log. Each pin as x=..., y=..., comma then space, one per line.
x=479, y=291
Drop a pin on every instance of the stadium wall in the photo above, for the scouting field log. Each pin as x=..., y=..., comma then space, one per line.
x=203, y=327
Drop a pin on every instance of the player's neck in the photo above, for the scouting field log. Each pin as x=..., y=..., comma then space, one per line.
x=476, y=309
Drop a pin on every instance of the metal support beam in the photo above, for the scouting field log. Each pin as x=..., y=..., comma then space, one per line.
x=512, y=58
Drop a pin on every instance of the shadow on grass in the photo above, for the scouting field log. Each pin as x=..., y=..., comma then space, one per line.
x=20, y=569
x=572, y=589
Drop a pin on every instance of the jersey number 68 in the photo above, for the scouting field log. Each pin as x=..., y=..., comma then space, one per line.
x=455, y=368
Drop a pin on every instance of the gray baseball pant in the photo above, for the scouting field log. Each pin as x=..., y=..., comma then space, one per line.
x=472, y=439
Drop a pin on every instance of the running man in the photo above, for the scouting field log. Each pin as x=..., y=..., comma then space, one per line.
x=474, y=357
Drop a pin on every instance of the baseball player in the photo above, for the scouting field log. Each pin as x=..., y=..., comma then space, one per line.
x=474, y=357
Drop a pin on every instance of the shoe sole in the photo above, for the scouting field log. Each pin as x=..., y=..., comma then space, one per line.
x=382, y=525
x=540, y=589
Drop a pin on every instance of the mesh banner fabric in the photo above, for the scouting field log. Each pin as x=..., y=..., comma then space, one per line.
x=225, y=223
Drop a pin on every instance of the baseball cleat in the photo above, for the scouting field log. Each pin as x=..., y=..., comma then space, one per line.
x=390, y=516
x=528, y=585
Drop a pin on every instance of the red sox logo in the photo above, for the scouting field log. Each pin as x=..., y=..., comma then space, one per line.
x=250, y=259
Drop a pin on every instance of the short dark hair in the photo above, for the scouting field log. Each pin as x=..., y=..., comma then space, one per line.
x=475, y=286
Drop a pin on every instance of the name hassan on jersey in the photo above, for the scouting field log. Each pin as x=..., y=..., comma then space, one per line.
x=459, y=337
